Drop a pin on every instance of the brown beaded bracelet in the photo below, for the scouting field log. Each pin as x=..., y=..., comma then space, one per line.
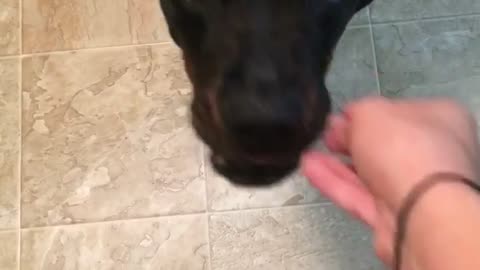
x=412, y=198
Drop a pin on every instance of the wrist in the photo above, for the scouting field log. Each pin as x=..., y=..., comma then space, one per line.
x=442, y=221
x=445, y=182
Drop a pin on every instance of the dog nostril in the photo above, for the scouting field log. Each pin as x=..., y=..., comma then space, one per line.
x=263, y=121
x=270, y=137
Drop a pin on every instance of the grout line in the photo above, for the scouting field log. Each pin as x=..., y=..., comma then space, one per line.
x=143, y=219
x=108, y=222
x=357, y=26
x=48, y=53
x=96, y=49
x=207, y=211
x=20, y=159
x=427, y=19
x=10, y=57
x=374, y=53
x=20, y=140
x=20, y=26
x=234, y=211
x=209, y=242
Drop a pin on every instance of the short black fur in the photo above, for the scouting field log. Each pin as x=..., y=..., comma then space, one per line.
x=257, y=68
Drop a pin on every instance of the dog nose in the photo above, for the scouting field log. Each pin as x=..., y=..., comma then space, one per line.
x=269, y=132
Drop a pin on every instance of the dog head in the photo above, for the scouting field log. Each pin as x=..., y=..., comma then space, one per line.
x=257, y=69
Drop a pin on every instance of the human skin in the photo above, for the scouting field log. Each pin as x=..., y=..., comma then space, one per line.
x=393, y=146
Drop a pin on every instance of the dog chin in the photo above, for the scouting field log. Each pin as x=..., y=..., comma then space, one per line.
x=251, y=174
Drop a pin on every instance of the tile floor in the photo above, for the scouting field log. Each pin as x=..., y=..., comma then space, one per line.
x=99, y=168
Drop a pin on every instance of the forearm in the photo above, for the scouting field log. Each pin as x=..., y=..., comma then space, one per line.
x=444, y=230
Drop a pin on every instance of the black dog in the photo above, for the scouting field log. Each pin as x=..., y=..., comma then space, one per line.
x=257, y=69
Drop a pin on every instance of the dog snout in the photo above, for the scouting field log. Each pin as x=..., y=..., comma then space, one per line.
x=248, y=173
x=267, y=134
x=260, y=126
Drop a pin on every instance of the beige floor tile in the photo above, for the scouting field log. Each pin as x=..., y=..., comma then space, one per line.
x=73, y=24
x=107, y=136
x=178, y=243
x=294, y=238
x=8, y=250
x=9, y=143
x=222, y=195
x=431, y=59
x=352, y=71
x=388, y=10
x=9, y=27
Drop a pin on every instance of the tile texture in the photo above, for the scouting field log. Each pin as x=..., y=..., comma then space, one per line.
x=391, y=10
x=75, y=24
x=175, y=244
x=9, y=27
x=352, y=72
x=299, y=238
x=108, y=147
x=9, y=143
x=8, y=250
x=439, y=58
x=352, y=75
x=224, y=196
x=107, y=136
x=361, y=18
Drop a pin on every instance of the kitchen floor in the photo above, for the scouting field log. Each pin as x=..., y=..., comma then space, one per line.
x=99, y=168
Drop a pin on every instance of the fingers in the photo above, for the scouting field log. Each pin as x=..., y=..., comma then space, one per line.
x=384, y=231
x=336, y=134
x=338, y=183
x=383, y=245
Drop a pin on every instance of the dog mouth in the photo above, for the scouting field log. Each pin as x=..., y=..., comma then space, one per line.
x=258, y=160
x=254, y=157
x=255, y=171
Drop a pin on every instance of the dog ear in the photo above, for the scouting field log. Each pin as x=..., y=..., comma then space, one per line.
x=185, y=21
x=332, y=18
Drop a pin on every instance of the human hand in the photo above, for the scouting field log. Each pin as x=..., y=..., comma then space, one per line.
x=393, y=145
